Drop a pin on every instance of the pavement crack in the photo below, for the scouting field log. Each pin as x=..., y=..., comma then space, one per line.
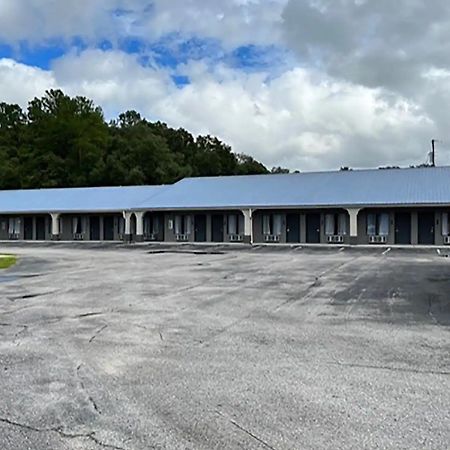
x=23, y=329
x=390, y=368
x=64, y=434
x=252, y=435
x=89, y=314
x=21, y=425
x=89, y=396
x=31, y=295
x=309, y=291
x=245, y=430
x=430, y=310
x=94, y=336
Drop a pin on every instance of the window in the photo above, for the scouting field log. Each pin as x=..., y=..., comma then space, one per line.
x=14, y=225
x=120, y=226
x=336, y=224
x=77, y=225
x=378, y=224
x=266, y=224
x=329, y=224
x=151, y=225
x=233, y=224
x=272, y=224
x=445, y=224
x=182, y=224
x=342, y=224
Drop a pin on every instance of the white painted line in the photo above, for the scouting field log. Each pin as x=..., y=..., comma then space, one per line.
x=438, y=251
x=341, y=249
x=387, y=251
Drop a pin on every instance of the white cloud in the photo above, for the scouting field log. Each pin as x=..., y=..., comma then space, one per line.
x=234, y=22
x=300, y=119
x=371, y=88
x=20, y=83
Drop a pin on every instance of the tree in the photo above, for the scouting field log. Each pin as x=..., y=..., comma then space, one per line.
x=63, y=141
x=249, y=166
x=278, y=170
x=67, y=138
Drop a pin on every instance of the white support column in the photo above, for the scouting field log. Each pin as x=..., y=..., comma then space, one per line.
x=139, y=225
x=34, y=229
x=55, y=226
x=353, y=213
x=248, y=225
x=127, y=217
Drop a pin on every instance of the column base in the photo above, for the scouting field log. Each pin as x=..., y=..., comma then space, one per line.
x=353, y=240
x=56, y=237
x=128, y=238
x=139, y=238
x=247, y=240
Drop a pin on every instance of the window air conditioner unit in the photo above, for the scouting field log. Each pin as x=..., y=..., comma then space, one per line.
x=337, y=239
x=447, y=240
x=150, y=237
x=378, y=239
x=182, y=237
x=272, y=238
x=14, y=236
x=236, y=238
x=78, y=236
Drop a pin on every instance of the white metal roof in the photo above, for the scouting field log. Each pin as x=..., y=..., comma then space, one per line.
x=101, y=199
x=383, y=187
x=341, y=188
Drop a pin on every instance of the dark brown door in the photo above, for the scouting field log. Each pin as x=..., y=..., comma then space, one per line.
x=403, y=228
x=426, y=228
x=313, y=228
x=293, y=228
x=28, y=228
x=200, y=228
x=94, y=228
x=108, y=228
x=40, y=228
x=217, y=228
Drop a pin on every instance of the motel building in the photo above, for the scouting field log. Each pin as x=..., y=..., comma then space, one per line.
x=376, y=207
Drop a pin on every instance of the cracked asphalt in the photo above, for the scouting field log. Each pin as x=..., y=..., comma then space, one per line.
x=163, y=347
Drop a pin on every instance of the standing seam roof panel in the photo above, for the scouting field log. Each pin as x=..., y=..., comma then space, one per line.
x=346, y=188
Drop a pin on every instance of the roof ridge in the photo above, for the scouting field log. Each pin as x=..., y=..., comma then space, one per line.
x=317, y=172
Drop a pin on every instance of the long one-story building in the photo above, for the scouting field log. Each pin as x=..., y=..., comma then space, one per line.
x=381, y=206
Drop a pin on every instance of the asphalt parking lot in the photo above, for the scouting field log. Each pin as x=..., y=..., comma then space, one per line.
x=213, y=348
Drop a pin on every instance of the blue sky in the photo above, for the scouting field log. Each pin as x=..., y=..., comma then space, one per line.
x=299, y=83
x=170, y=51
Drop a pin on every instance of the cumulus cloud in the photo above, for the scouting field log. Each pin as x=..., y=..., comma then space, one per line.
x=234, y=22
x=370, y=86
x=375, y=43
x=402, y=48
x=300, y=119
x=20, y=83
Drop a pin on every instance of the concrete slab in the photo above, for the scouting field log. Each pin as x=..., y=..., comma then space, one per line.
x=264, y=348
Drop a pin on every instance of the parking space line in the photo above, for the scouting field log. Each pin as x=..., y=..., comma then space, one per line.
x=386, y=251
x=438, y=251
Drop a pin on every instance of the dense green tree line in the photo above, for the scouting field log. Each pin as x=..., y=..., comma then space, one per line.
x=62, y=141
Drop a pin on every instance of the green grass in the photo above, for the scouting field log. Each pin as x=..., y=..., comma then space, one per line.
x=7, y=261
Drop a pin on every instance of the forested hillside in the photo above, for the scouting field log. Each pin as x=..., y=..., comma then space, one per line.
x=65, y=142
